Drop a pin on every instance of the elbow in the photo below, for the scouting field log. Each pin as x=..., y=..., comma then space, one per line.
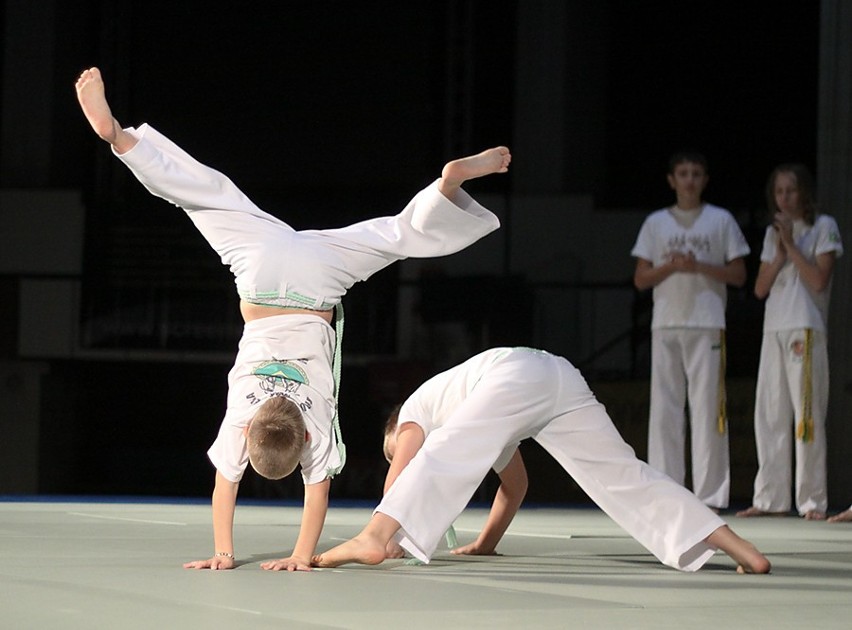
x=739, y=279
x=821, y=285
x=520, y=487
x=515, y=489
x=736, y=273
x=523, y=486
x=516, y=494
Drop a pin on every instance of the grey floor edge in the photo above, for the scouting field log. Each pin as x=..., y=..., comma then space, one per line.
x=115, y=565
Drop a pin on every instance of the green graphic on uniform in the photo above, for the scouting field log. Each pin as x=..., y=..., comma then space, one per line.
x=283, y=370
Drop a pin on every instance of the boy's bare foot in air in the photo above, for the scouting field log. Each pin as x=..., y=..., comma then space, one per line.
x=843, y=517
x=92, y=97
x=361, y=549
x=457, y=172
x=741, y=551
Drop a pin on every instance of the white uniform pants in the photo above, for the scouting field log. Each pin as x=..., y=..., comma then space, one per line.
x=777, y=413
x=543, y=396
x=274, y=264
x=685, y=365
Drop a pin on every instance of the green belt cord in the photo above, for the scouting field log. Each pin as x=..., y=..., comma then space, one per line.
x=452, y=541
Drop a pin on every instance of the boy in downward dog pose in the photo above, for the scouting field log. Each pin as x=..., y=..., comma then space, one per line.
x=282, y=407
x=456, y=425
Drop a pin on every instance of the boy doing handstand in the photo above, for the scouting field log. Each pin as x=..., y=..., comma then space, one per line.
x=281, y=407
x=456, y=425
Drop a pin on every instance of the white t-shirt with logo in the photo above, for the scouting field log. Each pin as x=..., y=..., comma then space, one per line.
x=791, y=304
x=711, y=234
x=282, y=355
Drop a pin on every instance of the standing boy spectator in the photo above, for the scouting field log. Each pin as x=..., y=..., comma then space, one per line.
x=688, y=253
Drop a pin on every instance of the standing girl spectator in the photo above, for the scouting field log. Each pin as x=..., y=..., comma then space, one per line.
x=796, y=264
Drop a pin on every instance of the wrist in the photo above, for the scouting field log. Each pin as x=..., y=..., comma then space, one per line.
x=224, y=554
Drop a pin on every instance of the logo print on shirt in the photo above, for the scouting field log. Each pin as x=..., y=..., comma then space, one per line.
x=280, y=375
x=797, y=350
x=682, y=243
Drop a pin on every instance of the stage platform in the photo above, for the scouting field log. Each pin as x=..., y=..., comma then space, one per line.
x=74, y=564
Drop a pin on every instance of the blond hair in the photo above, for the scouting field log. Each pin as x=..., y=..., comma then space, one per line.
x=390, y=431
x=276, y=437
x=804, y=184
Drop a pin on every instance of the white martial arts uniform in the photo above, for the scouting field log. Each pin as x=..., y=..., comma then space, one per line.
x=476, y=413
x=794, y=325
x=275, y=265
x=687, y=346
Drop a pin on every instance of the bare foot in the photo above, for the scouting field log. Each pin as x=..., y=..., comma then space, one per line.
x=490, y=161
x=741, y=551
x=363, y=550
x=753, y=511
x=843, y=517
x=92, y=97
x=814, y=515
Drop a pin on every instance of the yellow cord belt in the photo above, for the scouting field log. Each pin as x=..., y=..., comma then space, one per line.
x=721, y=418
x=805, y=428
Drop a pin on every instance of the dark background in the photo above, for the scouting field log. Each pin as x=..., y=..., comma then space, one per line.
x=326, y=113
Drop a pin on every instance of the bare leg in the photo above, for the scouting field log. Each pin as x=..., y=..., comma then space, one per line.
x=368, y=547
x=457, y=172
x=92, y=97
x=843, y=517
x=741, y=551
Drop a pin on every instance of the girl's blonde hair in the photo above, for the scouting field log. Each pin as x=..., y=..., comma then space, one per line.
x=805, y=185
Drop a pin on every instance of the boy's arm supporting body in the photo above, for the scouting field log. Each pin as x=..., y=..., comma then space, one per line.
x=507, y=501
x=313, y=519
x=224, y=505
x=407, y=442
x=513, y=488
x=409, y=438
